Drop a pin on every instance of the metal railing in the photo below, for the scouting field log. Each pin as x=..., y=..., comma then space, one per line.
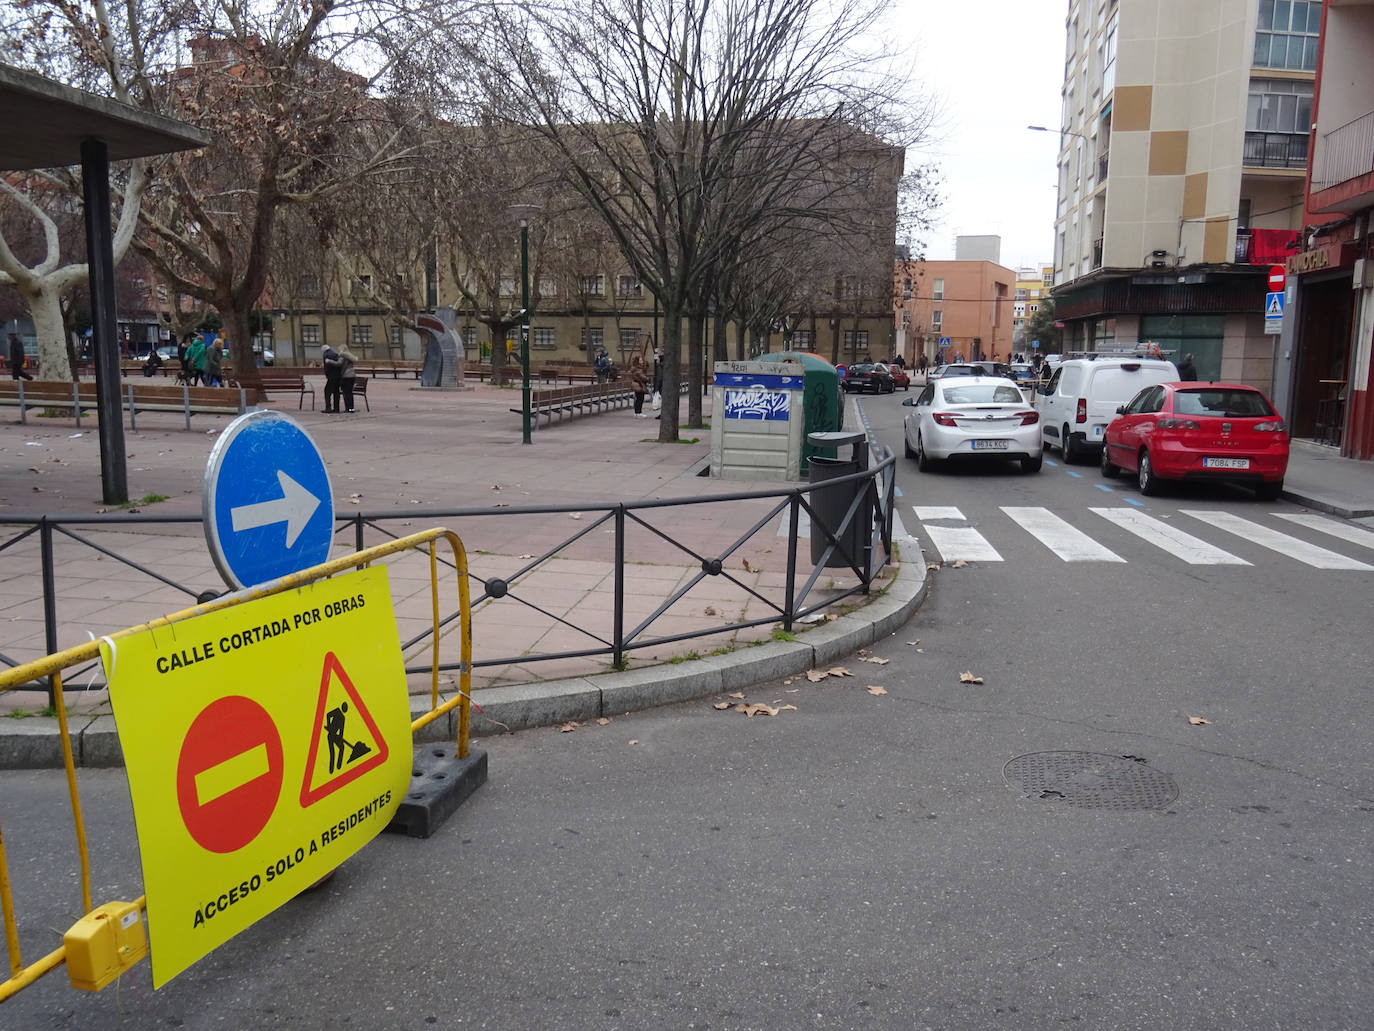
x=1346, y=153
x=1275, y=150
x=57, y=663
x=616, y=637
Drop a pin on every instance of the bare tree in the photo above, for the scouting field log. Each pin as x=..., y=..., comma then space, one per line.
x=685, y=124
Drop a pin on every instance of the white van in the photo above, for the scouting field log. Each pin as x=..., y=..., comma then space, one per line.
x=1082, y=397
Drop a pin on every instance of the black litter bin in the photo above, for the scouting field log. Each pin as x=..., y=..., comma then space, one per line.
x=831, y=503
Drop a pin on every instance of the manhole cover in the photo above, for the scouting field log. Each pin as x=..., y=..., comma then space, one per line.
x=1089, y=780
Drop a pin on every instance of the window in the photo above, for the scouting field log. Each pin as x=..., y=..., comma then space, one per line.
x=547, y=287
x=801, y=340
x=1020, y=293
x=1109, y=57
x=1287, y=34
x=508, y=286
x=627, y=339
x=541, y=338
x=469, y=336
x=856, y=340
x=310, y=334
x=360, y=285
x=592, y=339
x=397, y=337
x=936, y=318
x=1277, y=105
x=937, y=290
x=862, y=178
x=362, y=335
x=592, y=286
x=630, y=286
x=906, y=288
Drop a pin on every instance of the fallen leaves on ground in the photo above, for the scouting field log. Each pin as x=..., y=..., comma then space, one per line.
x=932, y=565
x=524, y=556
x=816, y=675
x=721, y=706
x=914, y=643
x=874, y=689
x=747, y=568
x=569, y=727
x=708, y=611
x=574, y=515
x=602, y=721
x=874, y=658
x=960, y=564
x=1198, y=721
x=634, y=740
x=757, y=709
x=736, y=694
x=355, y=498
x=788, y=706
x=969, y=678
x=831, y=617
x=839, y=671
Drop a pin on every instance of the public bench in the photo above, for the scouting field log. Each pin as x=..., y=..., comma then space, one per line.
x=80, y=398
x=273, y=380
x=396, y=366
x=570, y=401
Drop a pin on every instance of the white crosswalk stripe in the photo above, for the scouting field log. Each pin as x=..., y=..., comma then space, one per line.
x=962, y=543
x=1293, y=547
x=924, y=512
x=1344, y=531
x=1193, y=550
x=1069, y=543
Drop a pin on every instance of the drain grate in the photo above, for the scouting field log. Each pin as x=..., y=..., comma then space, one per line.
x=1090, y=780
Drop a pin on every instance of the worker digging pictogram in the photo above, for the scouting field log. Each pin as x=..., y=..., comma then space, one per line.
x=344, y=741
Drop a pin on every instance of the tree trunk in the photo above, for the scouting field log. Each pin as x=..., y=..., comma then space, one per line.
x=720, y=350
x=670, y=414
x=45, y=306
x=741, y=341
x=696, y=326
x=239, y=339
x=498, y=353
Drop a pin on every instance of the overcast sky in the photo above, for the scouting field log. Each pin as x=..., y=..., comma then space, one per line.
x=998, y=66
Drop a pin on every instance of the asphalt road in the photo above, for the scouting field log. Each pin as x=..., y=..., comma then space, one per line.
x=861, y=861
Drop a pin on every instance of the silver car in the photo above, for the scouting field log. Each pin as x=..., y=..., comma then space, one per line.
x=973, y=417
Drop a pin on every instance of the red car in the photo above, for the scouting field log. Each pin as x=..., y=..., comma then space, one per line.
x=1198, y=431
x=899, y=377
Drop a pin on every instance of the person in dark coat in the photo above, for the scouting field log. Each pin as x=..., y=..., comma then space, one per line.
x=17, y=358
x=1186, y=369
x=333, y=379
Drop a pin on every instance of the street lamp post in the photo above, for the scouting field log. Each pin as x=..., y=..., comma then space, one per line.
x=525, y=331
x=1063, y=132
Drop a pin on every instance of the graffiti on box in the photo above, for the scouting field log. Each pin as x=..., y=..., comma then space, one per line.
x=757, y=402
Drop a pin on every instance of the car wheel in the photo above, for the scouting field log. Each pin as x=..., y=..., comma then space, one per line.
x=923, y=461
x=1269, y=491
x=1110, y=469
x=910, y=451
x=1032, y=465
x=1066, y=445
x=1145, y=475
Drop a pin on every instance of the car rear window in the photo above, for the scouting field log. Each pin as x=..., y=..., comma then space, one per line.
x=1221, y=401
x=982, y=393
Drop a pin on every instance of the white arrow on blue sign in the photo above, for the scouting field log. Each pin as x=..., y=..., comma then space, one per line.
x=268, y=504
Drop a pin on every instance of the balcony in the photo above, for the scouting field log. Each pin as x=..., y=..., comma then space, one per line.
x=1275, y=150
x=1346, y=153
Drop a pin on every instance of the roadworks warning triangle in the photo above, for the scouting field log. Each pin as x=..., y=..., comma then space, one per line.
x=344, y=741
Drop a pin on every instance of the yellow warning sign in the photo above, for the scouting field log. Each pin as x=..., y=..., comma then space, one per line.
x=265, y=744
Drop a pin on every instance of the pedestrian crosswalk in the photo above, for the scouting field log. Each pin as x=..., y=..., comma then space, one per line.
x=956, y=537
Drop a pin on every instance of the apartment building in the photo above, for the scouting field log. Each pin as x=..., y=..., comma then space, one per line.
x=1032, y=286
x=1183, y=155
x=1324, y=376
x=953, y=309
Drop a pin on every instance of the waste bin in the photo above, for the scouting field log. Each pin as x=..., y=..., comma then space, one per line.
x=830, y=504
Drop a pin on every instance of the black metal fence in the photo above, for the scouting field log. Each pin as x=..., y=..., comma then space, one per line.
x=863, y=553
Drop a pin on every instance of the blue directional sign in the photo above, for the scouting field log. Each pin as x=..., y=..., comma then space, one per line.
x=267, y=502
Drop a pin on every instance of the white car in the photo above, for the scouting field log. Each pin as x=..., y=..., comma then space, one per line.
x=972, y=417
x=1081, y=398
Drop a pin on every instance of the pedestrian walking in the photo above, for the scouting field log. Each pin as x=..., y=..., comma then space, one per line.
x=1186, y=369
x=17, y=358
x=214, y=365
x=194, y=362
x=347, y=377
x=639, y=381
x=333, y=380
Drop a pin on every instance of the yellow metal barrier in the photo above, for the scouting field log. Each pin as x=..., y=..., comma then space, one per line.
x=52, y=666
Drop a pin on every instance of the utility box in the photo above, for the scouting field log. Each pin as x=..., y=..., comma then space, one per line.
x=757, y=425
x=822, y=401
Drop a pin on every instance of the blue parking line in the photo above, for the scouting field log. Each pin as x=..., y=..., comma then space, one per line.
x=1072, y=473
x=1051, y=463
x=1133, y=501
x=1103, y=486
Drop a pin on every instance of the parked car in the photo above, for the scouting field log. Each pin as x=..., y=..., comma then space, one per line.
x=164, y=351
x=956, y=369
x=964, y=417
x=1198, y=431
x=1083, y=394
x=870, y=376
x=899, y=377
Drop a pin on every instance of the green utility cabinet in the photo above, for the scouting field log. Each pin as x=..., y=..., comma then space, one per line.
x=822, y=401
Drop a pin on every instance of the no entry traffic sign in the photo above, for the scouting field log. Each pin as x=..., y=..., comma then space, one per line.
x=1277, y=277
x=229, y=774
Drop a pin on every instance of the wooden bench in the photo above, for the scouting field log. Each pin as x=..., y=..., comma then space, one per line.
x=395, y=366
x=80, y=398
x=572, y=401
x=272, y=380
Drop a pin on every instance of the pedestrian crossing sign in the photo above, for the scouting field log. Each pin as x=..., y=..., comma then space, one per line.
x=1273, y=308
